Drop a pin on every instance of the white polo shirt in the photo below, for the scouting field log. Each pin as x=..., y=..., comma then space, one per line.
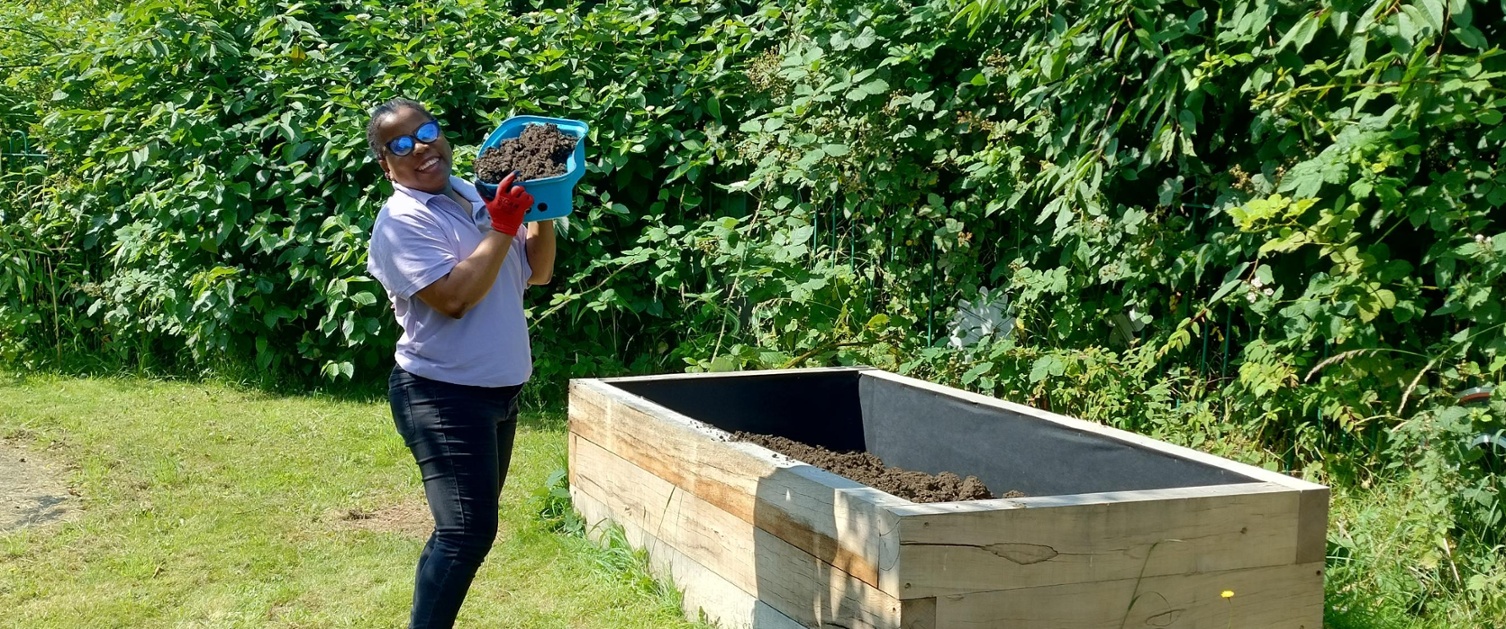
x=418, y=238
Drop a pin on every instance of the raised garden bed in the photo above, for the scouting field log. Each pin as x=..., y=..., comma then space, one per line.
x=1115, y=529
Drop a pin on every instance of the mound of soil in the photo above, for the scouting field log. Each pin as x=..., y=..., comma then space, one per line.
x=540, y=151
x=870, y=470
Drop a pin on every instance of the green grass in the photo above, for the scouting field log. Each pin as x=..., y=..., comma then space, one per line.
x=1390, y=565
x=208, y=506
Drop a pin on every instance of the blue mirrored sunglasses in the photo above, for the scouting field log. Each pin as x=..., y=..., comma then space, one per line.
x=402, y=145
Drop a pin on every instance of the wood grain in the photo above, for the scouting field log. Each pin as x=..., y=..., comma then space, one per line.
x=834, y=519
x=1160, y=532
x=789, y=580
x=1281, y=597
x=704, y=590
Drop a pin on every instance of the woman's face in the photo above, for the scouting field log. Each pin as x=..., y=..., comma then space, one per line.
x=427, y=168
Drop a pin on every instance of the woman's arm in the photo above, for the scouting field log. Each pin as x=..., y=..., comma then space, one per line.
x=466, y=284
x=540, y=248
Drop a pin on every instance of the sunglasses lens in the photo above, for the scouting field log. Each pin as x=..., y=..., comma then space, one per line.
x=427, y=133
x=401, y=146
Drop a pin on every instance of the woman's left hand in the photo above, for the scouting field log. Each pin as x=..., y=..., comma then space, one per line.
x=508, y=205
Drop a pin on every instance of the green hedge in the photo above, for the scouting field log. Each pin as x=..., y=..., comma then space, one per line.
x=1267, y=229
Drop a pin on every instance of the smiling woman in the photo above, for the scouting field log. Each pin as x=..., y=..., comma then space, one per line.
x=454, y=266
x=431, y=170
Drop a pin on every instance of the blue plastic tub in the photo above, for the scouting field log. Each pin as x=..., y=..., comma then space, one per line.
x=553, y=197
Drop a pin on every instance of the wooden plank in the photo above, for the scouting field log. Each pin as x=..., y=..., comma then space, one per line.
x=1101, y=430
x=1073, y=500
x=704, y=591
x=1312, y=526
x=708, y=535
x=715, y=375
x=834, y=519
x=788, y=579
x=1281, y=597
x=918, y=613
x=1160, y=532
x=570, y=457
x=817, y=594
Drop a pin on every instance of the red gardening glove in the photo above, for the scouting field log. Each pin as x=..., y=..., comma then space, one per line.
x=508, y=206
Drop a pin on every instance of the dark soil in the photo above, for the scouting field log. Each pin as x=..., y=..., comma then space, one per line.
x=870, y=470
x=541, y=151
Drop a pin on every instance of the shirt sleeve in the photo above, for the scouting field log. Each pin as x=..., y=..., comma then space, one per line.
x=522, y=245
x=409, y=251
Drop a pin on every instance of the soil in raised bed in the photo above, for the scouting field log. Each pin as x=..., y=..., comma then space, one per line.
x=540, y=151
x=870, y=470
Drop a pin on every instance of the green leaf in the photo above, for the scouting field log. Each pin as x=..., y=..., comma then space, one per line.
x=714, y=106
x=865, y=39
x=1367, y=19
x=1471, y=37
x=810, y=158
x=1497, y=195
x=1406, y=24
x=1357, y=45
x=1462, y=13
x=876, y=86
x=364, y=298
x=1433, y=9
x=977, y=370
x=1340, y=22
x=1232, y=280
x=1044, y=367
x=1301, y=34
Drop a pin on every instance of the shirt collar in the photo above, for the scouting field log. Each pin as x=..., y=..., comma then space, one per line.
x=433, y=200
x=465, y=188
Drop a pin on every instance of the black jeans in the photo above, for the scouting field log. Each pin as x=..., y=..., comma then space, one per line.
x=462, y=438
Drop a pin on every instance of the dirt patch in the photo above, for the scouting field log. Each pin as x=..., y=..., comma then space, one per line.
x=32, y=488
x=870, y=470
x=408, y=518
x=541, y=151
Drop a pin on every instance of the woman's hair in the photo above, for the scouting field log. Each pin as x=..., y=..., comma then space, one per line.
x=382, y=111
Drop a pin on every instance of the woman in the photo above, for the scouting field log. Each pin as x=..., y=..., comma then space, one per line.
x=454, y=266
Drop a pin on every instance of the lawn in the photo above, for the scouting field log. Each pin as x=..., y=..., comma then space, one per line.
x=203, y=505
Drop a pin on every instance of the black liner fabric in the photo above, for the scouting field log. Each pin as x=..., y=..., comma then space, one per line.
x=922, y=430
x=930, y=432
x=816, y=408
